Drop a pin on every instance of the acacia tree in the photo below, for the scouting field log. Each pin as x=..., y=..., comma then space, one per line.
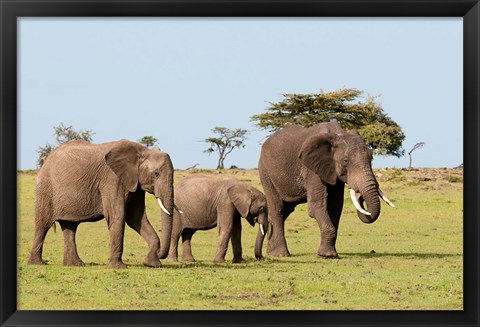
x=148, y=141
x=226, y=141
x=383, y=135
x=62, y=135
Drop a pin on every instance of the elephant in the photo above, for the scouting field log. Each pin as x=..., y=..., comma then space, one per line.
x=204, y=202
x=311, y=165
x=85, y=182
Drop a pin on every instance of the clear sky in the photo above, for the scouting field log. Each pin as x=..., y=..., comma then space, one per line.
x=177, y=78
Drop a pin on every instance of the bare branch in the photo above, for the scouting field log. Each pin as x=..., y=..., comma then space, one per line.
x=415, y=147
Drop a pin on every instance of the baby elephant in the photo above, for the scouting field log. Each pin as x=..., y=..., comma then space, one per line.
x=205, y=201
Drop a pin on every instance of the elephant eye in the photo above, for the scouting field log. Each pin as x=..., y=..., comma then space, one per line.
x=345, y=161
x=156, y=174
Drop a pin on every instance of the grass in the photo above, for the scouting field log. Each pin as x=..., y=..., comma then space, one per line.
x=411, y=258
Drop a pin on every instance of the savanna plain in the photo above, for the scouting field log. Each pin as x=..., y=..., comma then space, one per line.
x=411, y=258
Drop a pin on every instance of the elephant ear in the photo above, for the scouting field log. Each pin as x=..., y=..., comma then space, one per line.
x=123, y=160
x=317, y=155
x=241, y=199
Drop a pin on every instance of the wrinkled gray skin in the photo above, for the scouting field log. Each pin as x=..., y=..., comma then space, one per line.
x=208, y=201
x=312, y=165
x=84, y=182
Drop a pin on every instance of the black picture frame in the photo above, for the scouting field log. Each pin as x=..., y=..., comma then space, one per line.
x=10, y=10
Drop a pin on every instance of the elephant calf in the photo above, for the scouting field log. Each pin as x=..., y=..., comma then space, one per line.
x=205, y=201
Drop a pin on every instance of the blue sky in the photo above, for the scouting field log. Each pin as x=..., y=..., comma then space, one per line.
x=177, y=78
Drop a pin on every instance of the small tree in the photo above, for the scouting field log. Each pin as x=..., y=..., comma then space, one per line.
x=415, y=147
x=43, y=153
x=380, y=132
x=62, y=135
x=148, y=141
x=226, y=141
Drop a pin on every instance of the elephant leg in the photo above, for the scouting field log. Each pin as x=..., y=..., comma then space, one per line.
x=225, y=218
x=325, y=203
x=187, y=255
x=37, y=248
x=116, y=229
x=237, y=240
x=70, y=255
x=136, y=219
x=328, y=232
x=317, y=208
x=145, y=229
x=176, y=232
x=335, y=205
x=277, y=244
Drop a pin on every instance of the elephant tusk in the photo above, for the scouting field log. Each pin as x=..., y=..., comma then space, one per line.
x=356, y=204
x=162, y=207
x=175, y=207
x=261, y=230
x=384, y=198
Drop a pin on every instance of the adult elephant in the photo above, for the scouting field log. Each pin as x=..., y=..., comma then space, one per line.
x=311, y=165
x=207, y=201
x=84, y=182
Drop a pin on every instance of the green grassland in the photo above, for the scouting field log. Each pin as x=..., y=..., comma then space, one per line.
x=410, y=258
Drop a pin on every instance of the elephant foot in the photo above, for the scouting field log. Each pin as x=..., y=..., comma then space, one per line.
x=188, y=260
x=278, y=252
x=277, y=249
x=173, y=259
x=152, y=262
x=116, y=264
x=73, y=262
x=237, y=260
x=328, y=254
x=35, y=260
x=219, y=260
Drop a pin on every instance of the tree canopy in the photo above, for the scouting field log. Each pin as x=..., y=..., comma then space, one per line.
x=62, y=135
x=380, y=132
x=225, y=143
x=148, y=141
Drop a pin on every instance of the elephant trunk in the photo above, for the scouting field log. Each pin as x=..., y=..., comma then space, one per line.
x=370, y=196
x=165, y=197
x=262, y=232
